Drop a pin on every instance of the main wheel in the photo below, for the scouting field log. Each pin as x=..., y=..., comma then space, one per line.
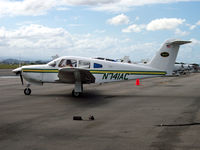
x=27, y=91
x=75, y=94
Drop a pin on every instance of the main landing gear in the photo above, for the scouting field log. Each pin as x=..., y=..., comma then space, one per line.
x=76, y=94
x=27, y=90
x=78, y=89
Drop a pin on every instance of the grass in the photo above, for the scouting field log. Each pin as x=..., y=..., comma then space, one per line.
x=8, y=66
x=13, y=66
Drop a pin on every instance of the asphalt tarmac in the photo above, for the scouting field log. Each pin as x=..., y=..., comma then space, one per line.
x=6, y=72
x=161, y=114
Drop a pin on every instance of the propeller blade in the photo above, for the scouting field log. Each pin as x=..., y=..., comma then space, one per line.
x=22, y=81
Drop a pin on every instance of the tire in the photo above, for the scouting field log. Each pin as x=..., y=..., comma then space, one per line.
x=27, y=91
x=76, y=94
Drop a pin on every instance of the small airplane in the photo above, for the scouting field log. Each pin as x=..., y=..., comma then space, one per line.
x=183, y=68
x=80, y=70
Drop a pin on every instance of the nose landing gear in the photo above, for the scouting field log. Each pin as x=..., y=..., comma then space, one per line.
x=27, y=90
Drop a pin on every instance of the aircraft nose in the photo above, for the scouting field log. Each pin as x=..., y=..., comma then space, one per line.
x=17, y=70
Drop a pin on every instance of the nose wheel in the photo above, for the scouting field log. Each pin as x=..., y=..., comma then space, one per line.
x=27, y=91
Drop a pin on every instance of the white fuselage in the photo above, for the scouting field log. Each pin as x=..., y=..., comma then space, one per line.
x=102, y=70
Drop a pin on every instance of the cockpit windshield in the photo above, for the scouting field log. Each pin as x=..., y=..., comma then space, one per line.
x=52, y=63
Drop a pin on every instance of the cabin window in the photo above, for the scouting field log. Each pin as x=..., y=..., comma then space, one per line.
x=98, y=65
x=84, y=64
x=68, y=63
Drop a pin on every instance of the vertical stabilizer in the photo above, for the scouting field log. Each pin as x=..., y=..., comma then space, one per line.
x=165, y=58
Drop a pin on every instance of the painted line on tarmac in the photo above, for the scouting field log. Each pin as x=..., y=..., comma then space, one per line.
x=8, y=77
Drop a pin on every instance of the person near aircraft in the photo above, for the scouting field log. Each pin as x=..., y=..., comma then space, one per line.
x=68, y=63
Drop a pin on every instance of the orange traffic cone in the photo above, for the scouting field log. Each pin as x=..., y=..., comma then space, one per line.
x=137, y=82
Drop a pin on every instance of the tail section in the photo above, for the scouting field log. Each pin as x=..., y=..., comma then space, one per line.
x=165, y=58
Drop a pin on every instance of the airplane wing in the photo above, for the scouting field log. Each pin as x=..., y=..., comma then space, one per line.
x=73, y=75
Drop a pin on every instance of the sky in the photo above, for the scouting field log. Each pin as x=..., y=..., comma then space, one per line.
x=39, y=29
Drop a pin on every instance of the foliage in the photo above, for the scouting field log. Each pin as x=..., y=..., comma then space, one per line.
x=9, y=66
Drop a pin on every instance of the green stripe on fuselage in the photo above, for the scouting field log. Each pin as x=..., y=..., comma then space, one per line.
x=40, y=70
x=99, y=71
x=129, y=72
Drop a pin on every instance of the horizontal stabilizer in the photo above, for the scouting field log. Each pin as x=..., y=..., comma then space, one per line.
x=177, y=42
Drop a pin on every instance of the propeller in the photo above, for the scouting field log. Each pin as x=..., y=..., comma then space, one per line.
x=18, y=71
x=22, y=81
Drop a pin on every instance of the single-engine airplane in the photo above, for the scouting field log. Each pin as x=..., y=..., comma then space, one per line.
x=80, y=70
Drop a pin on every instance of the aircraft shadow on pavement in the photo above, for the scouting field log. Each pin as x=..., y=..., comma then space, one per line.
x=87, y=99
x=179, y=125
x=90, y=98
